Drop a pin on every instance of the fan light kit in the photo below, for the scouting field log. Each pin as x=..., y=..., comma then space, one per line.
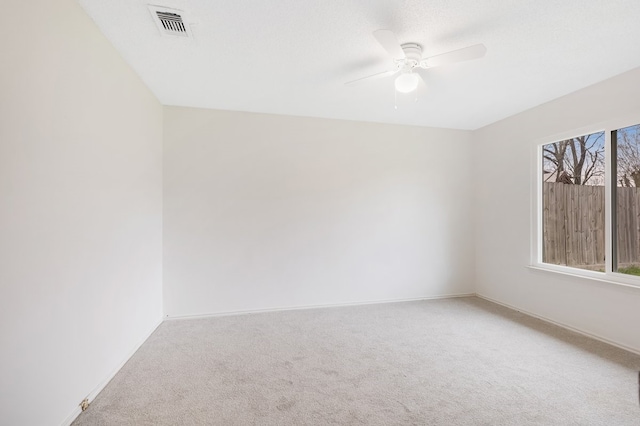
x=407, y=82
x=408, y=61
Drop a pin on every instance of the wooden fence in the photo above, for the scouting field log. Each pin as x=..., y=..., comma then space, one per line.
x=573, y=225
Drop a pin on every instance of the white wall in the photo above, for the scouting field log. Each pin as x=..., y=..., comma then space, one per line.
x=265, y=211
x=80, y=211
x=502, y=154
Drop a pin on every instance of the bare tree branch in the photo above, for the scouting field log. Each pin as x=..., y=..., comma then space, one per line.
x=578, y=161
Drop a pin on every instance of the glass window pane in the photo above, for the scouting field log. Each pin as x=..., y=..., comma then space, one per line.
x=573, y=202
x=626, y=148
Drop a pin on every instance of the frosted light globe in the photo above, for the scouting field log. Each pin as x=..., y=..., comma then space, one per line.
x=407, y=82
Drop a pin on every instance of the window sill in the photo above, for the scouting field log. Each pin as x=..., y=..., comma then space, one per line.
x=616, y=279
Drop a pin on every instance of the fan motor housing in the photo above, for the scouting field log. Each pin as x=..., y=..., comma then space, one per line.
x=412, y=53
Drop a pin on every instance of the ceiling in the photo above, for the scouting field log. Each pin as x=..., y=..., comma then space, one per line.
x=294, y=56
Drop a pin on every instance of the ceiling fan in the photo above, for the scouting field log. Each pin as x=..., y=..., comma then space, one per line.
x=409, y=63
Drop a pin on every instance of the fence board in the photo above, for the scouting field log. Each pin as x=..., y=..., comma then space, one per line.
x=573, y=225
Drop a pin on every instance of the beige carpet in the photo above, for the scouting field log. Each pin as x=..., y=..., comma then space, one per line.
x=442, y=362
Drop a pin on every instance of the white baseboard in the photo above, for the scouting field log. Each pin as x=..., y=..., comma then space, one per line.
x=92, y=395
x=74, y=415
x=295, y=308
x=560, y=324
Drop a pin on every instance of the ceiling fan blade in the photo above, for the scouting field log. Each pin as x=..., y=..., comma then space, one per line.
x=465, y=54
x=371, y=77
x=422, y=73
x=389, y=41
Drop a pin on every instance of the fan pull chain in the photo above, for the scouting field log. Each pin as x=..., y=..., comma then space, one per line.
x=395, y=98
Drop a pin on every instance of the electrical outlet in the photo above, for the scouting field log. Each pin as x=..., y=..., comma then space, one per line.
x=84, y=404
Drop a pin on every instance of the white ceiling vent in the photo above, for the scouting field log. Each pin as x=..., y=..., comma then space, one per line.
x=170, y=21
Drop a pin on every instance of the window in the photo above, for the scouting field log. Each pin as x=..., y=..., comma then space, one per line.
x=588, y=204
x=573, y=220
x=625, y=146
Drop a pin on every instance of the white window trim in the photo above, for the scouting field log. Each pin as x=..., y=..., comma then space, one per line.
x=536, y=205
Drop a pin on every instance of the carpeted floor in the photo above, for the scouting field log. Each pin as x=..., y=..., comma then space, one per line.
x=442, y=362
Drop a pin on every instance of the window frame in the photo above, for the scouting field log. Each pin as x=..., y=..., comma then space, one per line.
x=537, y=203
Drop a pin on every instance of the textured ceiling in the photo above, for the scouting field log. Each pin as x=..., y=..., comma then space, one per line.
x=294, y=56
